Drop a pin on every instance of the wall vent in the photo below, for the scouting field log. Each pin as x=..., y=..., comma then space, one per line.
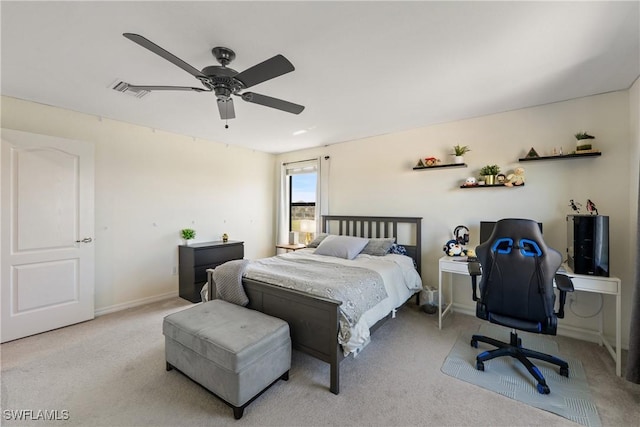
x=124, y=87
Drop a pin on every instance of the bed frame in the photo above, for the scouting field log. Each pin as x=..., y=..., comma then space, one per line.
x=313, y=321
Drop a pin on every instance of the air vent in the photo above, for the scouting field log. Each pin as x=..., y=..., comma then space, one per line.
x=124, y=87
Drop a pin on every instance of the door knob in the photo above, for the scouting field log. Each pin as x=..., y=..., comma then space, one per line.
x=85, y=240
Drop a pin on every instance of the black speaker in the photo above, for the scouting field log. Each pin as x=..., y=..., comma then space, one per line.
x=588, y=244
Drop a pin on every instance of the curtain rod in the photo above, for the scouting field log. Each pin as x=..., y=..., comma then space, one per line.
x=300, y=161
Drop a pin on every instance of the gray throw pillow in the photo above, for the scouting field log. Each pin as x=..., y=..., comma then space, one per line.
x=379, y=246
x=347, y=247
x=315, y=242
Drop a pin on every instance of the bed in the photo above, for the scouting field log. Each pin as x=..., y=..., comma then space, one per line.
x=315, y=321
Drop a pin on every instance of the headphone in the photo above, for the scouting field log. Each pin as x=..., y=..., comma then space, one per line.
x=461, y=234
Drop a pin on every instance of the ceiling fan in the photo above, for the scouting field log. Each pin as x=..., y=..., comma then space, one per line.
x=224, y=81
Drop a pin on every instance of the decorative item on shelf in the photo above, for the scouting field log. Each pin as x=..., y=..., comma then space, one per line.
x=501, y=178
x=515, y=178
x=187, y=234
x=584, y=143
x=459, y=152
x=420, y=164
x=225, y=237
x=308, y=227
x=591, y=207
x=431, y=161
x=489, y=172
x=532, y=154
x=575, y=206
x=470, y=182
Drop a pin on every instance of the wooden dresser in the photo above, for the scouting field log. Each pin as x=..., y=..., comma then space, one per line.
x=195, y=259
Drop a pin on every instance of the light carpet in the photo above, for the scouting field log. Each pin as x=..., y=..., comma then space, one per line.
x=569, y=397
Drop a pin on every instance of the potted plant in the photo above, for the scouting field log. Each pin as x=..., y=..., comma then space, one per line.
x=583, y=143
x=458, y=153
x=489, y=172
x=187, y=234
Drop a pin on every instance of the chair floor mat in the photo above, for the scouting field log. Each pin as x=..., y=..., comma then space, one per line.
x=569, y=397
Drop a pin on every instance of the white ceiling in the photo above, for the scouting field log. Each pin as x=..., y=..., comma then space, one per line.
x=362, y=68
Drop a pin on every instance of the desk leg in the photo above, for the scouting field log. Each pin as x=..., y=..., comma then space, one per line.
x=618, y=337
x=601, y=325
x=439, y=299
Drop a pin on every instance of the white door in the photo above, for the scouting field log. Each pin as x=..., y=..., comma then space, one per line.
x=47, y=225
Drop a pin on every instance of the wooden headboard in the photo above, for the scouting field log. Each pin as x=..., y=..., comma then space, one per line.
x=406, y=230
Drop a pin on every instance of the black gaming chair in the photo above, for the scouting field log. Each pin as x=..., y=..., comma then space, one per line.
x=516, y=291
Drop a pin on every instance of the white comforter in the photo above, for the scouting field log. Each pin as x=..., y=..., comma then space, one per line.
x=400, y=278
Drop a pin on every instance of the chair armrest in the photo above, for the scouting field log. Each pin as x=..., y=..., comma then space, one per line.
x=474, y=272
x=564, y=285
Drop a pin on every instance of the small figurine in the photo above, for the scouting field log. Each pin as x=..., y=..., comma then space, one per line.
x=515, y=178
x=591, y=207
x=225, y=238
x=431, y=161
x=532, y=154
x=470, y=182
x=575, y=206
x=453, y=248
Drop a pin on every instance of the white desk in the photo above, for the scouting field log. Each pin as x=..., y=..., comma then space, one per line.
x=584, y=283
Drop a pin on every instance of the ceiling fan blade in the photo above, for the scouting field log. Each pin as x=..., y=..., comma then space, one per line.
x=268, y=101
x=226, y=109
x=163, y=53
x=195, y=89
x=266, y=70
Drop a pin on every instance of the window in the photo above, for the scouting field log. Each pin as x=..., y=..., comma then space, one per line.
x=302, y=200
x=299, y=202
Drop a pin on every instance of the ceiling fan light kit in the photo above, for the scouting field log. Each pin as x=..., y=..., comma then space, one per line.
x=223, y=81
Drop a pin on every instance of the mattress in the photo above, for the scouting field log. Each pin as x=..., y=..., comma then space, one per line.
x=398, y=277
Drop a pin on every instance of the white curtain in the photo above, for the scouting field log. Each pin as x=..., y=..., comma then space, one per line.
x=633, y=356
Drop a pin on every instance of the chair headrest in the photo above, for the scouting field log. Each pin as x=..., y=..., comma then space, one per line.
x=515, y=234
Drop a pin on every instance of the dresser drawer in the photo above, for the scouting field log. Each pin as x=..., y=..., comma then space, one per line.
x=218, y=254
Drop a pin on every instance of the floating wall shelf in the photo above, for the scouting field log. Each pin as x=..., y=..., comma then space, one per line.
x=450, y=165
x=490, y=186
x=560, y=157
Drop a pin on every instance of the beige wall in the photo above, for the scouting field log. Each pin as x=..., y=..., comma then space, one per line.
x=374, y=176
x=149, y=185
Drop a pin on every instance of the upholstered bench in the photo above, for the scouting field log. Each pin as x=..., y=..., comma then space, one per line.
x=234, y=352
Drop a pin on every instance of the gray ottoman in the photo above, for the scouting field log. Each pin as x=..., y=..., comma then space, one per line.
x=232, y=351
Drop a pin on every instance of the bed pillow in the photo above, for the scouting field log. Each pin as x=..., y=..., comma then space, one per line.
x=398, y=249
x=315, y=242
x=347, y=247
x=379, y=246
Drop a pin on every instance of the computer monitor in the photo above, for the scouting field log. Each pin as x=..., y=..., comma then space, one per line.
x=486, y=228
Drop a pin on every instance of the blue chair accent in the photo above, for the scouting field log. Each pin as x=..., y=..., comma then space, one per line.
x=526, y=245
x=516, y=290
x=502, y=245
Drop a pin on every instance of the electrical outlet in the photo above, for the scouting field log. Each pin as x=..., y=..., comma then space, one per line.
x=175, y=271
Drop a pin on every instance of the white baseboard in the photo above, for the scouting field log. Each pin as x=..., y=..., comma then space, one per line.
x=134, y=303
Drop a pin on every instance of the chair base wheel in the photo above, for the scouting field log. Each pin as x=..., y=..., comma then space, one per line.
x=564, y=372
x=543, y=389
x=474, y=343
x=480, y=366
